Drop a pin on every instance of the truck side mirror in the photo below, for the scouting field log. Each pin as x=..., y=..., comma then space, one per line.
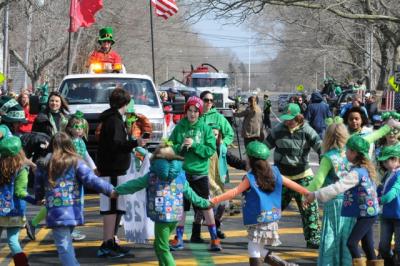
x=34, y=104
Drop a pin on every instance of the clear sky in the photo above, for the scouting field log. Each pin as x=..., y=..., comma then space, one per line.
x=221, y=34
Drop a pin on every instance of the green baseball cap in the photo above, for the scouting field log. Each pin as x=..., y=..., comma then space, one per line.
x=388, y=152
x=358, y=144
x=257, y=150
x=291, y=111
x=10, y=146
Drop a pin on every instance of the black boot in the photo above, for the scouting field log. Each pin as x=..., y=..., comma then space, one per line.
x=220, y=234
x=255, y=262
x=196, y=230
x=274, y=260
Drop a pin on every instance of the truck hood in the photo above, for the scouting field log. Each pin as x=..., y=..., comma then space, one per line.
x=149, y=112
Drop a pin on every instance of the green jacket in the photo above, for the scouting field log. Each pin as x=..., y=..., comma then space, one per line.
x=292, y=148
x=214, y=117
x=204, y=145
x=135, y=185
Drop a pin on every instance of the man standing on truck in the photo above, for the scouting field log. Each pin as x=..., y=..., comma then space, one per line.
x=105, y=54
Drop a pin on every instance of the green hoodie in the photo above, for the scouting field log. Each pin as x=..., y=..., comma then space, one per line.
x=204, y=145
x=214, y=117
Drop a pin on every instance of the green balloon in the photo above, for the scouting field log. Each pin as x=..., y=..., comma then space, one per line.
x=2, y=78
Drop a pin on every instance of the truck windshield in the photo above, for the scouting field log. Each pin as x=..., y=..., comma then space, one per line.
x=208, y=82
x=98, y=90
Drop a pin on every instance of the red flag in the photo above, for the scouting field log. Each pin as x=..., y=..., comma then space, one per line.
x=82, y=13
x=165, y=8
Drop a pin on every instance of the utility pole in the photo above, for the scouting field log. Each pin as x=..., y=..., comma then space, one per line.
x=324, y=67
x=28, y=41
x=249, y=64
x=5, y=47
x=371, y=57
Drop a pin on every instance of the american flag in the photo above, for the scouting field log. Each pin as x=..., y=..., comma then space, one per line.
x=362, y=94
x=390, y=101
x=165, y=8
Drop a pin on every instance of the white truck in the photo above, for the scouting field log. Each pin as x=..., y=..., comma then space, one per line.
x=202, y=79
x=89, y=93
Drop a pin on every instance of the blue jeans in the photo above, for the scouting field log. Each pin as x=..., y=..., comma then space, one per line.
x=12, y=239
x=362, y=231
x=63, y=241
x=388, y=228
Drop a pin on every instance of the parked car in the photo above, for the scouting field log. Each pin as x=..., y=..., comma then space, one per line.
x=283, y=100
x=337, y=106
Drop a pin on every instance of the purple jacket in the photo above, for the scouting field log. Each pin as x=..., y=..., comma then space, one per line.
x=64, y=201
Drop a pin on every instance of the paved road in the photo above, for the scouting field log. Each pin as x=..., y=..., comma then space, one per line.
x=43, y=252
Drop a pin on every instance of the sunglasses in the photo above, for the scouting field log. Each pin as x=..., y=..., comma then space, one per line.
x=79, y=126
x=208, y=100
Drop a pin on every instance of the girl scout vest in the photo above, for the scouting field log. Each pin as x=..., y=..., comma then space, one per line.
x=361, y=200
x=260, y=206
x=391, y=210
x=339, y=164
x=165, y=198
x=9, y=204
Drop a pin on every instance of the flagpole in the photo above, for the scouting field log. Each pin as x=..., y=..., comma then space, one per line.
x=72, y=7
x=152, y=41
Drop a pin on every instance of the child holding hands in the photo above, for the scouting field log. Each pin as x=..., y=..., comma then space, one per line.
x=262, y=191
x=59, y=179
x=390, y=218
x=360, y=199
x=166, y=188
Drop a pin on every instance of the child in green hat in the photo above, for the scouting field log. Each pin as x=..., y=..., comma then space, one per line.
x=390, y=218
x=13, y=194
x=360, y=199
x=262, y=190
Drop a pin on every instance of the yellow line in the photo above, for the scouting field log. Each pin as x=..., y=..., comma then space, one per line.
x=230, y=259
x=92, y=209
x=92, y=197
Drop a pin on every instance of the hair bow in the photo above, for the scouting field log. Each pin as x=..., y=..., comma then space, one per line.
x=166, y=142
x=79, y=114
x=387, y=115
x=333, y=120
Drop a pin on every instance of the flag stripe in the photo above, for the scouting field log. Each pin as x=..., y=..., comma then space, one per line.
x=164, y=8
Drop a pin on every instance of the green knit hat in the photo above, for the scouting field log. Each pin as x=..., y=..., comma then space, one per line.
x=11, y=111
x=10, y=146
x=358, y=144
x=291, y=111
x=257, y=150
x=106, y=34
x=388, y=152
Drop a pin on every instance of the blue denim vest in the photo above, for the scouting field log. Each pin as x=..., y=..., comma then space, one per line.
x=165, y=198
x=259, y=206
x=361, y=200
x=391, y=210
x=10, y=205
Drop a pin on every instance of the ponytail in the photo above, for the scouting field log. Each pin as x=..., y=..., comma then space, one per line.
x=263, y=173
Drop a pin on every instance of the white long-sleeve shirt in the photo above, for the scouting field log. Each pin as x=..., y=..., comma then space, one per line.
x=347, y=181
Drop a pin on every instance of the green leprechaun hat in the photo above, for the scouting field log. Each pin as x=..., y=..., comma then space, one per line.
x=388, y=152
x=106, y=34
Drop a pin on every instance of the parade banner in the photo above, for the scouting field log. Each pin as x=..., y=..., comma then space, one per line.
x=138, y=228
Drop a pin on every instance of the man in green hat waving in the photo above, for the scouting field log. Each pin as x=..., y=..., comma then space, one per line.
x=104, y=54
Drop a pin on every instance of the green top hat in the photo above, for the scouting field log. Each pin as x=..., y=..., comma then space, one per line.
x=257, y=150
x=11, y=111
x=106, y=34
x=10, y=146
x=388, y=152
x=358, y=144
x=291, y=111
